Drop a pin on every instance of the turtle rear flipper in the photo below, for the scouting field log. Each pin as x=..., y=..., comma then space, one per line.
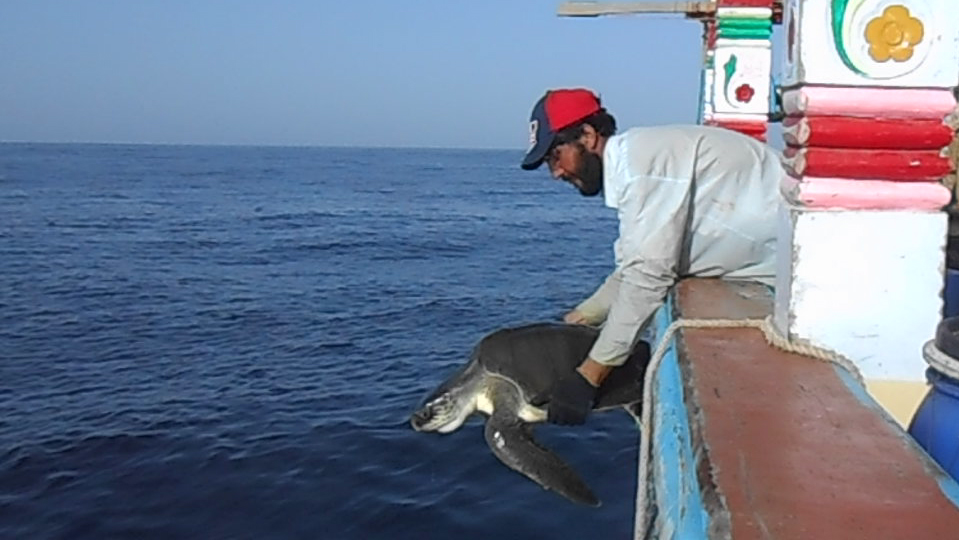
x=511, y=441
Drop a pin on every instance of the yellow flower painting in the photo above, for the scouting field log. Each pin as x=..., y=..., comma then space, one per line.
x=893, y=35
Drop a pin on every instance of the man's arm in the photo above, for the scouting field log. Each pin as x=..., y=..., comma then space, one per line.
x=594, y=309
x=653, y=222
x=652, y=232
x=595, y=371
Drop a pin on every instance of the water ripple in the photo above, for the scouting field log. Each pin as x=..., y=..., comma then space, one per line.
x=206, y=342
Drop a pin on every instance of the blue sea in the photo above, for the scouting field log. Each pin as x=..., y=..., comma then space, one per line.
x=226, y=342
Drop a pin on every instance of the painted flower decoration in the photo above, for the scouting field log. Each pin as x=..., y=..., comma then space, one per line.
x=744, y=93
x=893, y=35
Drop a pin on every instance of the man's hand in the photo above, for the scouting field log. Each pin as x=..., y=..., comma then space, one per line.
x=575, y=317
x=594, y=372
x=572, y=400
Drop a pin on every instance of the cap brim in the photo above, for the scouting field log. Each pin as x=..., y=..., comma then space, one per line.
x=544, y=140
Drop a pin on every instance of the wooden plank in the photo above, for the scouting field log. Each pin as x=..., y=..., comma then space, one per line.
x=788, y=448
x=596, y=9
x=872, y=133
x=911, y=103
x=819, y=192
x=902, y=165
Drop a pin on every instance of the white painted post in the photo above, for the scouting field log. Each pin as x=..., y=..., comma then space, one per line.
x=736, y=67
x=867, y=84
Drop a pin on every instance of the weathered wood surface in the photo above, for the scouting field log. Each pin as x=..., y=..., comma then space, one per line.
x=596, y=9
x=872, y=133
x=787, y=447
x=846, y=194
x=904, y=166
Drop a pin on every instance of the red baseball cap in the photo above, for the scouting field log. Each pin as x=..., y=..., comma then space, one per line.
x=556, y=110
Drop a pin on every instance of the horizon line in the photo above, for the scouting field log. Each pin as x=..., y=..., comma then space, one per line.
x=264, y=145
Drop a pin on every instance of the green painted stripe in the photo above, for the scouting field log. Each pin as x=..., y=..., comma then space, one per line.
x=745, y=33
x=745, y=23
x=838, y=14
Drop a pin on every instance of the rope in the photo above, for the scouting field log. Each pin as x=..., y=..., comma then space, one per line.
x=773, y=338
x=940, y=361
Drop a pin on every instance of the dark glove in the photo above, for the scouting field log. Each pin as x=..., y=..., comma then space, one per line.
x=571, y=401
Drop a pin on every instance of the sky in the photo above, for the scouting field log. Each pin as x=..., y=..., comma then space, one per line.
x=441, y=74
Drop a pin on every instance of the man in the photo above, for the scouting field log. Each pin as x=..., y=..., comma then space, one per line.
x=691, y=200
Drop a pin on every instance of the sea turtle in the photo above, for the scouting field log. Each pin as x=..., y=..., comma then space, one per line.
x=510, y=377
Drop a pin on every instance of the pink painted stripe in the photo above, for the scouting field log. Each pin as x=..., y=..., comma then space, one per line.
x=711, y=33
x=818, y=192
x=869, y=102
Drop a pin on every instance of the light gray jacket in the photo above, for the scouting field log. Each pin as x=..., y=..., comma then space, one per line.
x=692, y=201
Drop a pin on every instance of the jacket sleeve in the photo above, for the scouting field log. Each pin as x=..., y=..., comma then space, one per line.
x=653, y=212
x=596, y=307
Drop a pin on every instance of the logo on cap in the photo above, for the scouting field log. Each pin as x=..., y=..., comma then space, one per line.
x=533, y=127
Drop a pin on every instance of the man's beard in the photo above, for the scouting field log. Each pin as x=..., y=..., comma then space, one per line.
x=590, y=173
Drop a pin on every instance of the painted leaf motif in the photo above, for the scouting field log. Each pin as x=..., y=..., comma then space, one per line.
x=729, y=69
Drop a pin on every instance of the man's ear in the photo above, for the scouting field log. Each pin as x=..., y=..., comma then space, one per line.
x=590, y=138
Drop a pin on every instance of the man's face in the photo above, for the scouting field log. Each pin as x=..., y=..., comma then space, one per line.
x=573, y=163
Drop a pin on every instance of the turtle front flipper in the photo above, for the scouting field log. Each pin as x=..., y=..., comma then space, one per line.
x=512, y=442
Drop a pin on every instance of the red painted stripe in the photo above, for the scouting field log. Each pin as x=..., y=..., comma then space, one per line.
x=849, y=132
x=756, y=130
x=751, y=127
x=745, y=127
x=710, y=33
x=906, y=165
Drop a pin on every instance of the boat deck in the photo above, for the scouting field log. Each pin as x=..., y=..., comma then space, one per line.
x=779, y=445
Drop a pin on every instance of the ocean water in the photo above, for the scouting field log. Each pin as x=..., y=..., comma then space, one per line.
x=226, y=342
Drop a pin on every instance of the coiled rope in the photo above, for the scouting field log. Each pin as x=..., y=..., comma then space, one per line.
x=940, y=361
x=773, y=338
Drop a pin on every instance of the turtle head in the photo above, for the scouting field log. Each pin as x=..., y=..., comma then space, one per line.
x=443, y=411
x=447, y=407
